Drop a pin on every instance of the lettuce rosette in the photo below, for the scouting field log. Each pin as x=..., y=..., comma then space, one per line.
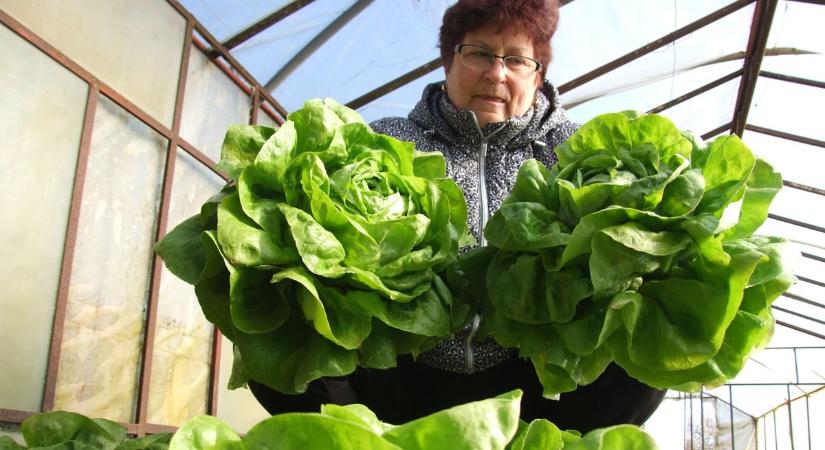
x=638, y=248
x=329, y=248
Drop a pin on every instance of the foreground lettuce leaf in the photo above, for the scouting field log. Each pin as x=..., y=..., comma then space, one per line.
x=329, y=248
x=624, y=252
x=64, y=430
x=489, y=424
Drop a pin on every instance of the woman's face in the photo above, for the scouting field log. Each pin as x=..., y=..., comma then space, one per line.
x=494, y=94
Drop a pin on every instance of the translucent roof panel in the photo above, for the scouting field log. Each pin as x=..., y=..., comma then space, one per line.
x=385, y=41
x=224, y=18
x=400, y=101
x=723, y=38
x=811, y=67
x=267, y=52
x=650, y=92
x=789, y=107
x=593, y=32
x=785, y=155
x=798, y=25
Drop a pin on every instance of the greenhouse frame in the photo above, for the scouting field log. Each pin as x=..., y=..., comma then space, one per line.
x=113, y=116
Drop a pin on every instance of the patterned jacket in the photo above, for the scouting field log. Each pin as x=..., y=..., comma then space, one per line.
x=435, y=124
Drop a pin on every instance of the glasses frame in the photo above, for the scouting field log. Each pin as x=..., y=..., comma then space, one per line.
x=457, y=49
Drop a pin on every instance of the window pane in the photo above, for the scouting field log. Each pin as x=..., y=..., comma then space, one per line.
x=266, y=119
x=238, y=407
x=40, y=125
x=211, y=104
x=183, y=337
x=789, y=107
x=785, y=156
x=133, y=46
x=111, y=270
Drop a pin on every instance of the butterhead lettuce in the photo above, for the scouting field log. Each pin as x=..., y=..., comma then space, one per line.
x=328, y=248
x=638, y=248
x=488, y=424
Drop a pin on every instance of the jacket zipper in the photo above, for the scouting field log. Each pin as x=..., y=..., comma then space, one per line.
x=469, y=357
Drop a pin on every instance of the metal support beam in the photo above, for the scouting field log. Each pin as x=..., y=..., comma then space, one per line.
x=810, y=280
x=791, y=79
x=784, y=135
x=257, y=27
x=716, y=131
x=696, y=92
x=657, y=44
x=803, y=187
x=384, y=89
x=800, y=329
x=802, y=299
x=316, y=43
x=760, y=30
x=798, y=223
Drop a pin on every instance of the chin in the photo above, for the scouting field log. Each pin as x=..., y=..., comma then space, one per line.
x=484, y=119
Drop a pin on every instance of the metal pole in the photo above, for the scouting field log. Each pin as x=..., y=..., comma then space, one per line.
x=732, y=431
x=790, y=415
x=702, y=417
x=316, y=43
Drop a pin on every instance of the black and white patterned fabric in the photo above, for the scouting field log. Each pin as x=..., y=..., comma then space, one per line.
x=435, y=124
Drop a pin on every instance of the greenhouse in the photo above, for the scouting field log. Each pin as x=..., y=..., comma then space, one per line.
x=112, y=127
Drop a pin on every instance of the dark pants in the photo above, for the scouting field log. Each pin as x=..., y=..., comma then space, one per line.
x=413, y=390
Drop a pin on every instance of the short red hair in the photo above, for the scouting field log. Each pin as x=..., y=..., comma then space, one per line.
x=537, y=18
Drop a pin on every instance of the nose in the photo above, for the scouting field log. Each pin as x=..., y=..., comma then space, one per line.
x=497, y=70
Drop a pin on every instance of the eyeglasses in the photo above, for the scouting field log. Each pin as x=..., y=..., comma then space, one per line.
x=476, y=57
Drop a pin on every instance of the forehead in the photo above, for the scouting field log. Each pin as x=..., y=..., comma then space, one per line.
x=507, y=38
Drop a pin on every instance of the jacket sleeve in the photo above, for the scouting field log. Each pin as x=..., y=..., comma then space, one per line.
x=546, y=154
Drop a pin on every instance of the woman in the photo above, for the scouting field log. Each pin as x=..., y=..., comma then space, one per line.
x=493, y=112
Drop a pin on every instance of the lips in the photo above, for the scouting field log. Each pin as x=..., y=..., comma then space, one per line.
x=491, y=98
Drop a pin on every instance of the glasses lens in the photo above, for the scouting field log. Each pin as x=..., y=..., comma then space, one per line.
x=476, y=57
x=520, y=64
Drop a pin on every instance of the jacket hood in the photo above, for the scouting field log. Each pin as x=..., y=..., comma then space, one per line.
x=436, y=114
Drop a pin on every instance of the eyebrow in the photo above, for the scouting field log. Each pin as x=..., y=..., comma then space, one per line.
x=512, y=51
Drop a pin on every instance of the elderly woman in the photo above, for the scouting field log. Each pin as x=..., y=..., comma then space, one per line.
x=493, y=112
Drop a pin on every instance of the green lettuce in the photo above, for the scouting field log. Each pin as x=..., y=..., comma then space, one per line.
x=489, y=424
x=638, y=248
x=64, y=430
x=330, y=247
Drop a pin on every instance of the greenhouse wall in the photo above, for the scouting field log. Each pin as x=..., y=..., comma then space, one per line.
x=110, y=130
